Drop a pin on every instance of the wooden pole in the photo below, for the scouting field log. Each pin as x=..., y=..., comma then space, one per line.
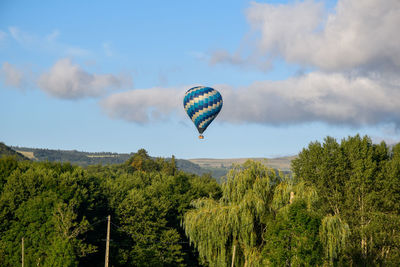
x=23, y=248
x=108, y=240
x=291, y=197
x=233, y=255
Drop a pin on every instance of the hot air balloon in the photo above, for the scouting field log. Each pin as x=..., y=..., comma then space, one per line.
x=202, y=104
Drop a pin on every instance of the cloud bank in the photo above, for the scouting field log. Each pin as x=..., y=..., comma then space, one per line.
x=359, y=35
x=69, y=81
x=144, y=105
x=64, y=80
x=354, y=55
x=333, y=98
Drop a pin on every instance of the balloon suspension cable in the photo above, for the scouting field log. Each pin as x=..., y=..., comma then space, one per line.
x=201, y=136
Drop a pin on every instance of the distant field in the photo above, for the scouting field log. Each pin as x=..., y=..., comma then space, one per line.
x=282, y=163
x=27, y=154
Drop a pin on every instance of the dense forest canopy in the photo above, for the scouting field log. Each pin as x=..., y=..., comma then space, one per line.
x=340, y=207
x=61, y=211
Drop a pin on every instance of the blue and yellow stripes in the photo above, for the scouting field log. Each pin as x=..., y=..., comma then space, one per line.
x=202, y=104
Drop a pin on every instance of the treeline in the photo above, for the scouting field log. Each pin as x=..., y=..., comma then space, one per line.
x=85, y=159
x=341, y=207
x=76, y=157
x=60, y=210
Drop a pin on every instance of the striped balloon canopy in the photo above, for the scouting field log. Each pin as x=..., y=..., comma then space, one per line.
x=202, y=104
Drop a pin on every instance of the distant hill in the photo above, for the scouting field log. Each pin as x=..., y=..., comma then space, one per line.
x=281, y=163
x=220, y=167
x=191, y=167
x=217, y=168
x=8, y=151
x=73, y=156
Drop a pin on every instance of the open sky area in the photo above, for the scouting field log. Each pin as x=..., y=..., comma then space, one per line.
x=111, y=75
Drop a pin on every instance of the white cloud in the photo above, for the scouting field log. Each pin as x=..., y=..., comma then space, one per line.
x=359, y=35
x=354, y=54
x=332, y=98
x=12, y=76
x=335, y=98
x=144, y=105
x=69, y=81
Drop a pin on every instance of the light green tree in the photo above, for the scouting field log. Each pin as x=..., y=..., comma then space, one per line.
x=237, y=220
x=358, y=186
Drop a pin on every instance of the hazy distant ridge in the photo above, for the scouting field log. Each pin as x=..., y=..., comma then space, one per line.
x=216, y=167
x=281, y=163
x=7, y=151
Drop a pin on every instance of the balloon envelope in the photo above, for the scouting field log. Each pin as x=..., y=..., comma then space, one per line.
x=202, y=104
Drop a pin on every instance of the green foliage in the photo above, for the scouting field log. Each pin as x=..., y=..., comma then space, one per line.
x=60, y=254
x=60, y=210
x=215, y=227
x=141, y=161
x=34, y=198
x=342, y=207
x=87, y=159
x=292, y=237
x=334, y=235
x=323, y=166
x=358, y=186
x=148, y=198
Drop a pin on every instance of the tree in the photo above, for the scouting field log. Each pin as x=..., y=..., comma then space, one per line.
x=237, y=220
x=141, y=161
x=291, y=237
x=34, y=205
x=358, y=185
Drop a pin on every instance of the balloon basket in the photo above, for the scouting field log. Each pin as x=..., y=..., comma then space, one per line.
x=201, y=137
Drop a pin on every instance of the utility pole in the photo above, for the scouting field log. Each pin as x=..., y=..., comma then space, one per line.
x=108, y=240
x=233, y=255
x=22, y=242
x=291, y=197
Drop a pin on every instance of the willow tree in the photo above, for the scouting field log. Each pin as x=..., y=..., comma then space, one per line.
x=334, y=234
x=236, y=221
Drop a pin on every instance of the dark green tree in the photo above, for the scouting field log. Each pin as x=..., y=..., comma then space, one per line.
x=291, y=238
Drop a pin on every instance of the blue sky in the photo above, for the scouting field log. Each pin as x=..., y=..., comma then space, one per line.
x=111, y=76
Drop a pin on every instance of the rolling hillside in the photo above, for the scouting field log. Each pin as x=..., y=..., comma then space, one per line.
x=282, y=163
x=216, y=167
x=7, y=151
